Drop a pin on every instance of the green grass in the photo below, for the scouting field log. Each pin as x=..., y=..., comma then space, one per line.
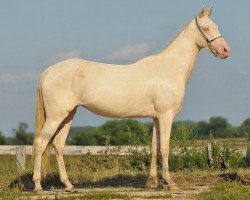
x=190, y=168
x=229, y=186
x=10, y=193
x=225, y=190
x=96, y=195
x=15, y=193
x=114, y=171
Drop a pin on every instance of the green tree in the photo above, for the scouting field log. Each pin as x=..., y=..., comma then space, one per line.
x=120, y=131
x=233, y=131
x=219, y=126
x=245, y=128
x=21, y=136
x=203, y=129
x=83, y=138
x=2, y=139
x=179, y=129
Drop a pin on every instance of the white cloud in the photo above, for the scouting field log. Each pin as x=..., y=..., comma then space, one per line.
x=130, y=53
x=63, y=56
x=17, y=78
x=33, y=76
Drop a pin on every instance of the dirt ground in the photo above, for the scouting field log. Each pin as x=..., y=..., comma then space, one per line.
x=125, y=187
x=124, y=193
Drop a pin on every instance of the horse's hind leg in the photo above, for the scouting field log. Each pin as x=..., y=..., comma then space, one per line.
x=58, y=144
x=152, y=181
x=48, y=130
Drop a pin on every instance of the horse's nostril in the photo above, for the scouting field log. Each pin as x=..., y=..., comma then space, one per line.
x=225, y=50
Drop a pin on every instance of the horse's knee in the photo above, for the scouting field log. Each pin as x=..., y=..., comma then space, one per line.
x=58, y=148
x=39, y=146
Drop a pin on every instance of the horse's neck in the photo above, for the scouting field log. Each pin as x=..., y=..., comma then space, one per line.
x=182, y=53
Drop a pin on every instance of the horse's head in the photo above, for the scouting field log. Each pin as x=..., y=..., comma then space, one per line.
x=208, y=35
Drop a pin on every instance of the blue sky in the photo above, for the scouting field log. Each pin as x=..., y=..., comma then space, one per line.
x=36, y=34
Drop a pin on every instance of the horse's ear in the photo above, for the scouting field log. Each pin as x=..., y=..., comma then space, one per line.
x=202, y=12
x=209, y=12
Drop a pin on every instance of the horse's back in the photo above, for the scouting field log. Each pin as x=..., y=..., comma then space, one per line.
x=106, y=89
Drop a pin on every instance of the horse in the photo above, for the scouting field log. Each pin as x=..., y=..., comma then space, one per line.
x=152, y=87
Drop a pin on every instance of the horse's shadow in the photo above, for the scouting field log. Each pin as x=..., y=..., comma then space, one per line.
x=120, y=180
x=24, y=182
x=234, y=176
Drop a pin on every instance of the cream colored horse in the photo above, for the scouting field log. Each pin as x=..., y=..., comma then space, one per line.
x=152, y=87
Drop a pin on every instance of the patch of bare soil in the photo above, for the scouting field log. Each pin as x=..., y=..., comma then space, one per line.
x=133, y=187
x=124, y=193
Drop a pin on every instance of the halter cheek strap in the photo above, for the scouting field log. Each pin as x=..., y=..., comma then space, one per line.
x=216, y=38
x=205, y=37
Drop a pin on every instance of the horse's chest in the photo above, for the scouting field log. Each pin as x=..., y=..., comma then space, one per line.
x=169, y=97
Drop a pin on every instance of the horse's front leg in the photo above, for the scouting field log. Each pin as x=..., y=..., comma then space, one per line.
x=165, y=123
x=152, y=179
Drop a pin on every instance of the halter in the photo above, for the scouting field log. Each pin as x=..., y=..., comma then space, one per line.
x=205, y=37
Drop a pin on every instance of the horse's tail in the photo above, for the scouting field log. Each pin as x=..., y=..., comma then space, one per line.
x=40, y=120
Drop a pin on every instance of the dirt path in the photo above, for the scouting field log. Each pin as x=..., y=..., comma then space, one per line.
x=120, y=193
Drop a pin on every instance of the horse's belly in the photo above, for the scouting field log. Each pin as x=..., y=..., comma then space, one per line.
x=121, y=109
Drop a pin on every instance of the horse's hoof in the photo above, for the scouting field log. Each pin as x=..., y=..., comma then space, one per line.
x=71, y=190
x=39, y=191
x=170, y=186
x=173, y=188
x=152, y=182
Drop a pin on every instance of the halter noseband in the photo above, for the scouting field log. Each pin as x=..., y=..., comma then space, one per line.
x=205, y=37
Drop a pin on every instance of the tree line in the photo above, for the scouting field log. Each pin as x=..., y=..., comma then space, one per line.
x=130, y=131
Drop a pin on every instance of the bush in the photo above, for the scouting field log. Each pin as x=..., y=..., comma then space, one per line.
x=231, y=156
x=139, y=158
x=2, y=139
x=247, y=157
x=188, y=158
x=185, y=152
x=226, y=157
